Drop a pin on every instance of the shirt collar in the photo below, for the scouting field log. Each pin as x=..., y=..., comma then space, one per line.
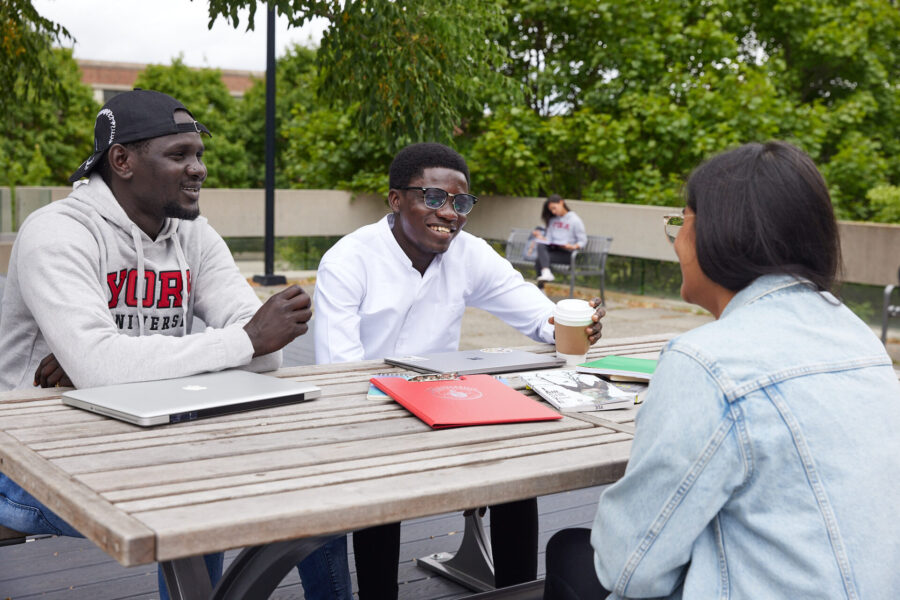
x=385, y=225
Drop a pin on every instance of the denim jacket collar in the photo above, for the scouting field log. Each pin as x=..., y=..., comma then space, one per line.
x=759, y=287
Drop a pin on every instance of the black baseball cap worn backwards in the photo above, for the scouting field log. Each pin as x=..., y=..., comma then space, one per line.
x=134, y=116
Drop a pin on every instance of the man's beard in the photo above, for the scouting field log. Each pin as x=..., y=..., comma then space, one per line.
x=174, y=210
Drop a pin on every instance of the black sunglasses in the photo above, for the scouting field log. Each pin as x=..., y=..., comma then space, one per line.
x=436, y=197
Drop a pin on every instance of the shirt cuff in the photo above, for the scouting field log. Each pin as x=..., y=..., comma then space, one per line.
x=238, y=347
x=546, y=332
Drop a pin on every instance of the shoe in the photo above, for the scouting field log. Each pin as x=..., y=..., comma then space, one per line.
x=546, y=275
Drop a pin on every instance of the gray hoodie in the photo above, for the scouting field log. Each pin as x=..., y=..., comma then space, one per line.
x=77, y=269
x=567, y=229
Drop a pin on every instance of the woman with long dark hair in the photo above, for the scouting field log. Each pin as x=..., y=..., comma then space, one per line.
x=765, y=458
x=564, y=233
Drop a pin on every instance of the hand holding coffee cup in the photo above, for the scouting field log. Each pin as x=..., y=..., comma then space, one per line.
x=577, y=326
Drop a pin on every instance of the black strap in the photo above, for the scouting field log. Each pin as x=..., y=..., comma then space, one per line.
x=193, y=126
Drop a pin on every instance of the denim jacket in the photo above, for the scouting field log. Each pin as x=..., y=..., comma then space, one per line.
x=766, y=460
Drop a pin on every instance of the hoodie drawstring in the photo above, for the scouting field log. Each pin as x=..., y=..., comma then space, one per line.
x=187, y=307
x=141, y=279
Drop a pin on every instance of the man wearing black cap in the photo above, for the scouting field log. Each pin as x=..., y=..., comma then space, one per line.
x=104, y=278
x=103, y=286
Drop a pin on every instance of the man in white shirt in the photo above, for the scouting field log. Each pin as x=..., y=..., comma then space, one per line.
x=400, y=286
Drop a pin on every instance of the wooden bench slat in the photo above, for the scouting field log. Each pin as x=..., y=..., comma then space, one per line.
x=10, y=536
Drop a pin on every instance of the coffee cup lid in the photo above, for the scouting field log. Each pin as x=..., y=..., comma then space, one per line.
x=573, y=312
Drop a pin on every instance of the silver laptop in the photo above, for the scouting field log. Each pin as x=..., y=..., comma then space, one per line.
x=188, y=398
x=485, y=360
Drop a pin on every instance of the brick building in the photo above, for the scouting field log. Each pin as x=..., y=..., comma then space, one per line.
x=109, y=78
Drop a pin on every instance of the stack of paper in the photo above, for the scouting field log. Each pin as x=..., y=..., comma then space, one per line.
x=621, y=368
x=570, y=390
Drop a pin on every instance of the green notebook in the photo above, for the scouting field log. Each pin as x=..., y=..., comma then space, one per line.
x=617, y=367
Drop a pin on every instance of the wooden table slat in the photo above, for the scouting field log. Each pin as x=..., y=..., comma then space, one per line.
x=311, y=477
x=301, y=455
x=223, y=430
x=242, y=446
x=122, y=536
x=72, y=426
x=186, y=531
x=124, y=485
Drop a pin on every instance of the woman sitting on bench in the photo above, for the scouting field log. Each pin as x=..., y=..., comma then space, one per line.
x=564, y=233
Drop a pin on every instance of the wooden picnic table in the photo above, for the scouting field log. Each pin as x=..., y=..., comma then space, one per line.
x=339, y=463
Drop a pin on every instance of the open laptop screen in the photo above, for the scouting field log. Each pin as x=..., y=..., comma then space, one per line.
x=485, y=360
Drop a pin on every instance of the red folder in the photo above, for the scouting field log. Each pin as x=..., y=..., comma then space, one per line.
x=468, y=400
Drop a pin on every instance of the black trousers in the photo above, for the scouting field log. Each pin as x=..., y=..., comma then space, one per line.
x=570, y=567
x=549, y=253
x=514, y=533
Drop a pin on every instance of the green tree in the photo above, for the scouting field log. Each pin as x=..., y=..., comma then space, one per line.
x=316, y=146
x=25, y=39
x=205, y=95
x=549, y=45
x=409, y=71
x=46, y=137
x=633, y=95
x=608, y=101
x=885, y=201
x=295, y=86
x=506, y=157
x=326, y=149
x=843, y=56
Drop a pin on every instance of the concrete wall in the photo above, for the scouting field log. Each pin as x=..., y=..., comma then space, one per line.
x=6, y=243
x=871, y=251
x=28, y=200
x=241, y=213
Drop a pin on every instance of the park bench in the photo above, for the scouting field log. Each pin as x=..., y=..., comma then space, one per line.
x=590, y=260
x=9, y=537
x=6, y=244
x=889, y=310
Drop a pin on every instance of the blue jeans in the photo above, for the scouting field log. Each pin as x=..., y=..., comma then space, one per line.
x=325, y=573
x=20, y=511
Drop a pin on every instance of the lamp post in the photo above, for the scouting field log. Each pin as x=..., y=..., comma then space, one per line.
x=269, y=278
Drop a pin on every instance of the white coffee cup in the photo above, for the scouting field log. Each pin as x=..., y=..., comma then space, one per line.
x=571, y=317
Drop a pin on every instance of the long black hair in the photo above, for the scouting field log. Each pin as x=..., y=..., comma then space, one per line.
x=546, y=215
x=760, y=209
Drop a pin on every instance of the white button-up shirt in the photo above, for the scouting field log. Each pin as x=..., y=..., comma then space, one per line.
x=370, y=302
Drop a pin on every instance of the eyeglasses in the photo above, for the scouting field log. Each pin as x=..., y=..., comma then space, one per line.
x=673, y=225
x=436, y=197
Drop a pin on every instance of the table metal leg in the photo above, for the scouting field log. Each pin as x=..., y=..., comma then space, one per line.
x=473, y=564
x=186, y=578
x=530, y=590
x=257, y=571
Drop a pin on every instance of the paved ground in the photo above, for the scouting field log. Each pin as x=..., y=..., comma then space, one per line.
x=627, y=315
